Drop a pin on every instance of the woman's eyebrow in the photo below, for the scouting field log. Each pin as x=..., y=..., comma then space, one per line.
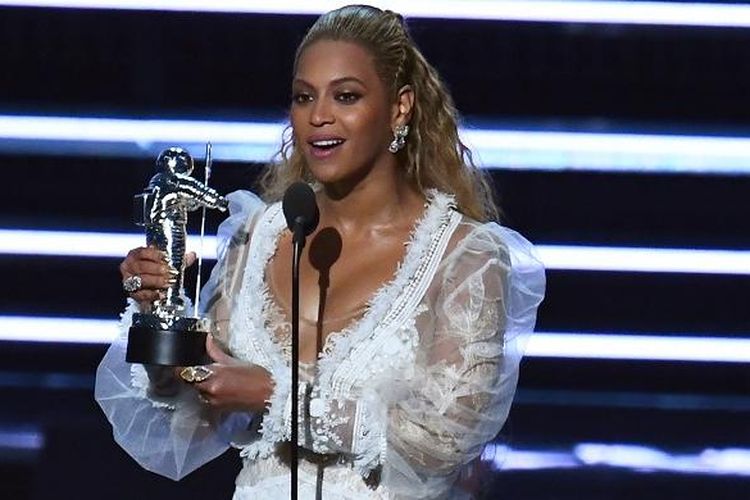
x=347, y=79
x=337, y=81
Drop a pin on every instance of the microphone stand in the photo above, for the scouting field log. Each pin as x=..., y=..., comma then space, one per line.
x=298, y=243
x=302, y=217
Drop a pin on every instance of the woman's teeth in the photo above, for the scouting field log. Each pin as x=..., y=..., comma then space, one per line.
x=328, y=143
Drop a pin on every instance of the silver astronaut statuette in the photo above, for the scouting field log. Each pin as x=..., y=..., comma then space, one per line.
x=167, y=335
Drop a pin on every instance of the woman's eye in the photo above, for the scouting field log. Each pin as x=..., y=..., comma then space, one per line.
x=347, y=97
x=301, y=98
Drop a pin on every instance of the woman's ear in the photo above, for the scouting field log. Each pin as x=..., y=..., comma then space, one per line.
x=403, y=107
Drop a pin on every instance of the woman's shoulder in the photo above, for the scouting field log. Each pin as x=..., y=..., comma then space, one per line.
x=476, y=237
x=487, y=250
x=481, y=241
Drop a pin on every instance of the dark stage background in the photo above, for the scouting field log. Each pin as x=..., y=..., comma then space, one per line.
x=54, y=441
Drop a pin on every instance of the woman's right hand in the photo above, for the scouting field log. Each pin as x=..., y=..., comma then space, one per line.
x=152, y=266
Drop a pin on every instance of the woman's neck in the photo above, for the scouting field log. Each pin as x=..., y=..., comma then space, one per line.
x=380, y=201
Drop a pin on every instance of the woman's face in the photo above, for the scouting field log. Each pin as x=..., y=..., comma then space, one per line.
x=341, y=112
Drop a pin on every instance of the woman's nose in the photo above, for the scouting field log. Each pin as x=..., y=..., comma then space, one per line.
x=321, y=113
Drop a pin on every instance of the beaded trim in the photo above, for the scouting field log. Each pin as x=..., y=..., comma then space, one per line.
x=396, y=299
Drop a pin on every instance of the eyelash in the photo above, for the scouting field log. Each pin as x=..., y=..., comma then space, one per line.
x=301, y=98
x=342, y=97
x=347, y=97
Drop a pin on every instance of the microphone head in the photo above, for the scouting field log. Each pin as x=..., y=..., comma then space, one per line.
x=300, y=207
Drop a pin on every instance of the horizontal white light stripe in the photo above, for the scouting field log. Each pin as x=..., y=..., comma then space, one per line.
x=582, y=258
x=656, y=260
x=498, y=148
x=63, y=330
x=638, y=347
x=658, y=13
x=648, y=153
x=61, y=128
x=710, y=461
x=557, y=345
x=83, y=244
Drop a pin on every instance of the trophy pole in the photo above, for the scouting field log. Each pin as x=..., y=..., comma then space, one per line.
x=196, y=302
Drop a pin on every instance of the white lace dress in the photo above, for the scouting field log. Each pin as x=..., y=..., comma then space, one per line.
x=398, y=402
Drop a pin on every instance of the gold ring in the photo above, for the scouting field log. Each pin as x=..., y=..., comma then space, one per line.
x=195, y=374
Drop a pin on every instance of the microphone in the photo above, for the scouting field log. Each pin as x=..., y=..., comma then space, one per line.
x=302, y=217
x=301, y=211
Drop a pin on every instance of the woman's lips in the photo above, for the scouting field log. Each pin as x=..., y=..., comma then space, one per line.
x=322, y=149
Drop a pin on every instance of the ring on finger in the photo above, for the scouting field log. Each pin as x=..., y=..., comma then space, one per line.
x=132, y=284
x=195, y=374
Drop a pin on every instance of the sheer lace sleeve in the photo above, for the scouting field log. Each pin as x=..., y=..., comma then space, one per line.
x=172, y=433
x=436, y=415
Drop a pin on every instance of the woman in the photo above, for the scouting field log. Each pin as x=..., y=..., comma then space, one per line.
x=413, y=306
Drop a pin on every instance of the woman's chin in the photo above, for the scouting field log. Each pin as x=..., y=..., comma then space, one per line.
x=329, y=171
x=325, y=175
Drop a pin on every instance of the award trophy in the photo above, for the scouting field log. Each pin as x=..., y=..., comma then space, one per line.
x=166, y=335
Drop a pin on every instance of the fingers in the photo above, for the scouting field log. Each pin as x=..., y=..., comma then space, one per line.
x=210, y=389
x=235, y=387
x=137, y=255
x=148, y=295
x=216, y=353
x=151, y=265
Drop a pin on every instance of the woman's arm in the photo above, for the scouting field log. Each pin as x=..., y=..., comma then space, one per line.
x=162, y=423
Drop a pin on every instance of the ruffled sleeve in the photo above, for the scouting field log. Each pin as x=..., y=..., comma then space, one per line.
x=458, y=398
x=170, y=432
x=423, y=424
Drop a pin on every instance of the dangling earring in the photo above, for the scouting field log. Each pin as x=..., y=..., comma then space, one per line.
x=399, y=139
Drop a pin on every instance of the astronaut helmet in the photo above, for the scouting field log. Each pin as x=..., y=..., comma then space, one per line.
x=175, y=161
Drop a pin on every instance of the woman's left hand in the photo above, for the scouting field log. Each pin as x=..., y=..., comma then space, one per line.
x=234, y=385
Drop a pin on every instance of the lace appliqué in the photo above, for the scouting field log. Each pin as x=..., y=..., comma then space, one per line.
x=326, y=416
x=384, y=338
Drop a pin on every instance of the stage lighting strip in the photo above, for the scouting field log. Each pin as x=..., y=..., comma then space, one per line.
x=563, y=257
x=558, y=11
x=710, y=461
x=26, y=440
x=541, y=344
x=495, y=148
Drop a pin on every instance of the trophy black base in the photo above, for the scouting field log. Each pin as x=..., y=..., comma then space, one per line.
x=182, y=344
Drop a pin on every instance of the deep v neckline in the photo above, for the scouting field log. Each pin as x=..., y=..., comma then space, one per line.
x=380, y=301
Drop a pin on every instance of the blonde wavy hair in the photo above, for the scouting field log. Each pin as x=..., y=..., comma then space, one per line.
x=434, y=156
